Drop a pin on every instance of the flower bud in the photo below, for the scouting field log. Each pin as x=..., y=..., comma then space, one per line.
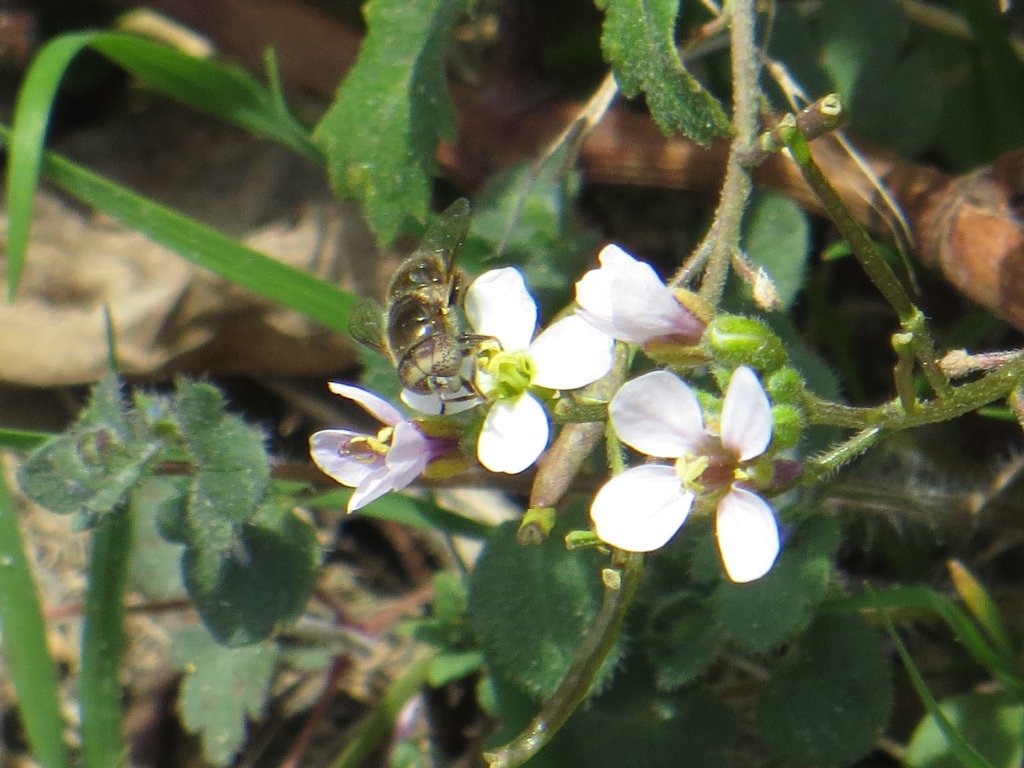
x=788, y=426
x=785, y=385
x=734, y=341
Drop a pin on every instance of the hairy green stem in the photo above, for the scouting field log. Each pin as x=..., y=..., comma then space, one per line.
x=25, y=650
x=620, y=587
x=103, y=641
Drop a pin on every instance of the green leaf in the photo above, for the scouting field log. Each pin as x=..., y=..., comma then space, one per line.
x=232, y=472
x=763, y=614
x=155, y=569
x=630, y=724
x=530, y=607
x=681, y=639
x=776, y=236
x=638, y=40
x=832, y=696
x=263, y=580
x=91, y=469
x=992, y=722
x=289, y=287
x=381, y=133
x=221, y=90
x=408, y=510
x=447, y=667
x=221, y=689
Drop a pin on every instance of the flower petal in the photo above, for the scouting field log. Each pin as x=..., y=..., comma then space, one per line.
x=641, y=509
x=514, y=434
x=626, y=299
x=409, y=454
x=498, y=304
x=658, y=414
x=746, y=416
x=428, y=403
x=748, y=535
x=372, y=488
x=570, y=354
x=371, y=403
x=329, y=451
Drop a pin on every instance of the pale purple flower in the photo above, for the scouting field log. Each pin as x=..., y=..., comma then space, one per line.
x=373, y=464
x=567, y=355
x=626, y=299
x=641, y=509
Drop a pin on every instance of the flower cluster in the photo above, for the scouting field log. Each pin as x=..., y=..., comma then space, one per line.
x=701, y=461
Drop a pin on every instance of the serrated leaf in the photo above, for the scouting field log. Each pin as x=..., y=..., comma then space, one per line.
x=993, y=723
x=831, y=698
x=776, y=236
x=231, y=473
x=530, y=607
x=243, y=593
x=638, y=40
x=221, y=689
x=381, y=133
x=764, y=613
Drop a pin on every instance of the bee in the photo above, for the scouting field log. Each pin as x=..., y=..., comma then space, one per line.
x=422, y=328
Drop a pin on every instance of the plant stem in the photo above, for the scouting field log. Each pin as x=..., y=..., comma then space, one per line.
x=25, y=650
x=600, y=639
x=103, y=641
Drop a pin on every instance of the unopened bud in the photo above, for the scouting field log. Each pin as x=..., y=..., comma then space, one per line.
x=734, y=340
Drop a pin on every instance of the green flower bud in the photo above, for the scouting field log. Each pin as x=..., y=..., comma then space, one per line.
x=734, y=341
x=785, y=385
x=788, y=426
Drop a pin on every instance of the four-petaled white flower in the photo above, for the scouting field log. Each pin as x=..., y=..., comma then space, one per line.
x=569, y=354
x=626, y=299
x=642, y=508
x=373, y=464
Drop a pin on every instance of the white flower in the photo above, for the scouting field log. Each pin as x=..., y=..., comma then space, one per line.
x=569, y=354
x=626, y=299
x=642, y=508
x=372, y=464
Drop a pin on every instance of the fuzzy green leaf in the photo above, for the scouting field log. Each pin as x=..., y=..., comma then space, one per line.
x=232, y=472
x=530, y=607
x=263, y=580
x=221, y=689
x=832, y=696
x=681, y=639
x=638, y=40
x=382, y=130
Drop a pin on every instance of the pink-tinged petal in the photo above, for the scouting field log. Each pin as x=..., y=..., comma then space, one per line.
x=746, y=416
x=570, y=354
x=748, y=535
x=641, y=509
x=658, y=414
x=328, y=449
x=372, y=488
x=499, y=305
x=375, y=406
x=409, y=454
x=626, y=299
x=514, y=435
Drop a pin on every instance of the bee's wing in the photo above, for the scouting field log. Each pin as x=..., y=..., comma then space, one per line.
x=366, y=323
x=445, y=236
x=430, y=269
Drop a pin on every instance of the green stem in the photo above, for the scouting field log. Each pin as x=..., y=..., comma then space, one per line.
x=600, y=640
x=25, y=650
x=103, y=641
